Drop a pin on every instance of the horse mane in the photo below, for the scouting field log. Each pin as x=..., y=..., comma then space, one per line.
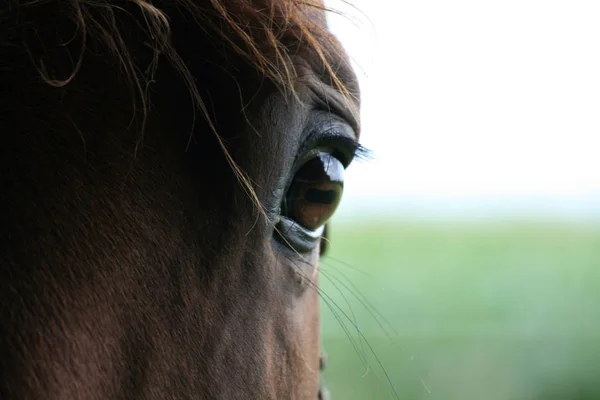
x=265, y=33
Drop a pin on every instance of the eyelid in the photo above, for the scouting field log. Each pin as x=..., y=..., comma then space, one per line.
x=334, y=105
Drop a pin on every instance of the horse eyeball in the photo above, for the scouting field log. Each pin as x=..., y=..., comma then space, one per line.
x=315, y=191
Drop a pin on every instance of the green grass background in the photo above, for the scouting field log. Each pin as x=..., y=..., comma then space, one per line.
x=466, y=310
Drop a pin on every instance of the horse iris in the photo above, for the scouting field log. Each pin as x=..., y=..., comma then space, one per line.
x=315, y=191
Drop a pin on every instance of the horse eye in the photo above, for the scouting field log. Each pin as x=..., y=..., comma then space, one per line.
x=315, y=191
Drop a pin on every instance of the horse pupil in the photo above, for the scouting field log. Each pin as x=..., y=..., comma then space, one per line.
x=321, y=196
x=315, y=191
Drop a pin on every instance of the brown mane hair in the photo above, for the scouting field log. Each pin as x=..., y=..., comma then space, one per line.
x=263, y=32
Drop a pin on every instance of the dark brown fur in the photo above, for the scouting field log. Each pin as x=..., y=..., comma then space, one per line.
x=140, y=162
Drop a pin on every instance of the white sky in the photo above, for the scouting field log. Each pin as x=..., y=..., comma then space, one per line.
x=476, y=102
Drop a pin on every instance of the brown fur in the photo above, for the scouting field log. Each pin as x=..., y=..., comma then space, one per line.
x=138, y=139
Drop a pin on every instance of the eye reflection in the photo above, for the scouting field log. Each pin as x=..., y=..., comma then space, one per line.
x=315, y=191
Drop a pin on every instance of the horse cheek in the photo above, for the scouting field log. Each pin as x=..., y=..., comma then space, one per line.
x=307, y=320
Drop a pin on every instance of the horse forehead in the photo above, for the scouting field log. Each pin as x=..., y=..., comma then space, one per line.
x=319, y=75
x=344, y=101
x=320, y=61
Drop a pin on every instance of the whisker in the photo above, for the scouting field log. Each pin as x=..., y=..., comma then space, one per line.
x=375, y=313
x=371, y=350
x=362, y=355
x=351, y=287
x=350, y=266
x=351, y=311
x=328, y=300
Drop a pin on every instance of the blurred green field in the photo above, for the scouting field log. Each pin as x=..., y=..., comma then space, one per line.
x=481, y=311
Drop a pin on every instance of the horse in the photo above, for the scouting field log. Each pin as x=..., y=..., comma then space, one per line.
x=168, y=168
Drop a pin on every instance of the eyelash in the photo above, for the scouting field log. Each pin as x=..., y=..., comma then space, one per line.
x=361, y=152
x=355, y=150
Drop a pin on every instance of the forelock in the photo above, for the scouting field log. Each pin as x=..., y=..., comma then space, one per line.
x=268, y=34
